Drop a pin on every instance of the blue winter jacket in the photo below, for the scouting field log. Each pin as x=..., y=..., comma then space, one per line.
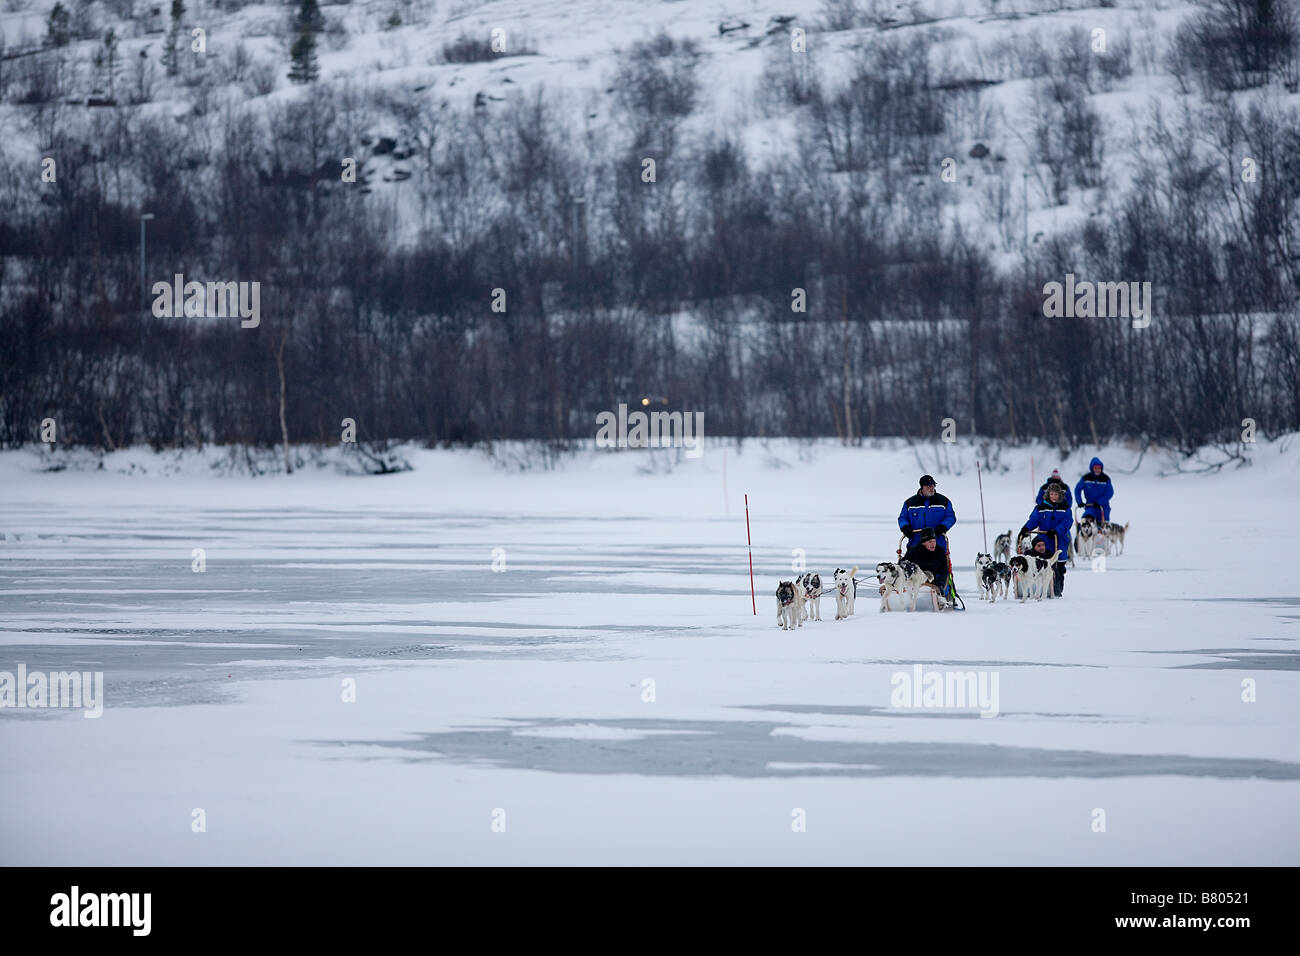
x=1093, y=492
x=919, y=513
x=1053, y=522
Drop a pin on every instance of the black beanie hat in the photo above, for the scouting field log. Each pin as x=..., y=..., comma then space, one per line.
x=925, y=480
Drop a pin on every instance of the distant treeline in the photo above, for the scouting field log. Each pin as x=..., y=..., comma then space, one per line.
x=377, y=297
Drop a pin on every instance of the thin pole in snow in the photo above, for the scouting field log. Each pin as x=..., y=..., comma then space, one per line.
x=1031, y=471
x=982, y=522
x=752, y=599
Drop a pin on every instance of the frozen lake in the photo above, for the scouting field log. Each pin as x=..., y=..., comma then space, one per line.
x=607, y=695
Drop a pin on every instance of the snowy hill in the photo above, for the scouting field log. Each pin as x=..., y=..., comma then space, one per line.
x=493, y=221
x=573, y=51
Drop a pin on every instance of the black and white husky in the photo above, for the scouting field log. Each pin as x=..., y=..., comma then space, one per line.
x=1086, y=540
x=811, y=585
x=1023, y=579
x=788, y=606
x=1034, y=576
x=909, y=578
x=1046, y=568
x=1004, y=577
x=1002, y=547
x=886, y=571
x=906, y=578
x=990, y=580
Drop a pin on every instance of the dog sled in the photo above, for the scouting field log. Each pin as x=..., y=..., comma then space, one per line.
x=927, y=599
x=897, y=593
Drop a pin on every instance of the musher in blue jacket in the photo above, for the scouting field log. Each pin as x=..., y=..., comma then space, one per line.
x=1053, y=519
x=1094, y=491
x=926, y=509
x=1054, y=479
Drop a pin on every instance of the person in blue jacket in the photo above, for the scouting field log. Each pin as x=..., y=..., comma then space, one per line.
x=1052, y=520
x=926, y=509
x=1054, y=479
x=1094, y=491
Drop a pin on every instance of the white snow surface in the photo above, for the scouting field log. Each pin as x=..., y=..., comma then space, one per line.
x=520, y=697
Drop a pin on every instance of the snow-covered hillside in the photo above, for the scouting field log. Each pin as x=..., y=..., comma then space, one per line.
x=488, y=221
x=572, y=52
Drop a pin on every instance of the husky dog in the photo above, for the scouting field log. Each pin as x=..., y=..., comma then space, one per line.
x=909, y=578
x=846, y=589
x=811, y=585
x=1086, y=540
x=886, y=573
x=788, y=606
x=1021, y=578
x=1049, y=573
x=1024, y=542
x=1002, y=546
x=1003, y=572
x=1042, y=575
x=1115, y=536
x=988, y=577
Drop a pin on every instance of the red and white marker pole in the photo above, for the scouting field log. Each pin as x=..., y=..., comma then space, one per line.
x=752, y=599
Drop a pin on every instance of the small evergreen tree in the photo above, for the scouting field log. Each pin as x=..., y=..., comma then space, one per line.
x=58, y=26
x=309, y=17
x=302, y=55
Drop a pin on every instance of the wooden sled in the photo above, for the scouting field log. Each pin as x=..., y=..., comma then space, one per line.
x=927, y=599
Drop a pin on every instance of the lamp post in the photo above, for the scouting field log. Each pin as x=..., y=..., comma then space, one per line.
x=1024, y=178
x=579, y=227
x=144, y=217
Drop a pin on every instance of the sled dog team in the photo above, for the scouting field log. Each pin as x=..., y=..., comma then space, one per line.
x=801, y=599
x=1034, y=572
x=924, y=569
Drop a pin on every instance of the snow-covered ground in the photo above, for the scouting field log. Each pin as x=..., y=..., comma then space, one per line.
x=508, y=716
